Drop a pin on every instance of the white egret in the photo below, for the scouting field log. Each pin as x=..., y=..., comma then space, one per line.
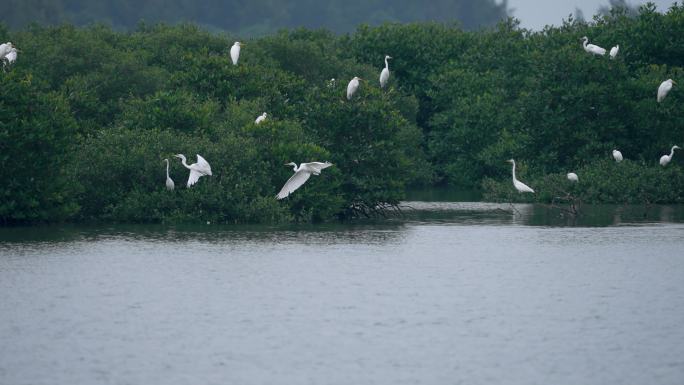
x=572, y=177
x=665, y=159
x=301, y=175
x=591, y=48
x=11, y=57
x=617, y=155
x=614, y=51
x=352, y=87
x=201, y=168
x=169, y=182
x=235, y=52
x=384, y=75
x=260, y=118
x=520, y=186
x=664, y=88
x=5, y=49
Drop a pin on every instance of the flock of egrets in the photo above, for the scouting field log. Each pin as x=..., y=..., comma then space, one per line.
x=302, y=173
x=8, y=55
x=663, y=90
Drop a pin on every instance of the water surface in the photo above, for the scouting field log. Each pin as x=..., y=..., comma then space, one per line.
x=450, y=293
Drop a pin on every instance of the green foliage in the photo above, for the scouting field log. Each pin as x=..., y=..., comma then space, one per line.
x=90, y=113
x=604, y=181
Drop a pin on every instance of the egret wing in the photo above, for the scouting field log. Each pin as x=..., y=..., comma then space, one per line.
x=203, y=166
x=318, y=165
x=194, y=177
x=296, y=181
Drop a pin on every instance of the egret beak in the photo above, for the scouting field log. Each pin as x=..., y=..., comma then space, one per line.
x=674, y=82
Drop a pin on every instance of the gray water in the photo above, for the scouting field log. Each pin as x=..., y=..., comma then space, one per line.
x=448, y=293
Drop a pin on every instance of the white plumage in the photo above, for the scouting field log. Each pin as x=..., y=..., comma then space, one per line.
x=572, y=177
x=665, y=159
x=301, y=175
x=235, y=52
x=384, y=74
x=520, y=186
x=5, y=49
x=197, y=170
x=617, y=155
x=352, y=87
x=664, y=88
x=614, y=51
x=591, y=48
x=169, y=182
x=260, y=118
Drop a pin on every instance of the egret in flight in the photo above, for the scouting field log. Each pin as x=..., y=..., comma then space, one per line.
x=520, y=186
x=301, y=175
x=169, y=182
x=201, y=168
x=384, y=75
x=617, y=155
x=352, y=87
x=572, y=177
x=235, y=52
x=664, y=88
x=614, y=51
x=665, y=159
x=591, y=48
x=260, y=118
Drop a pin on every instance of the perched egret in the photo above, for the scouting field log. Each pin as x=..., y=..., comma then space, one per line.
x=665, y=159
x=201, y=168
x=260, y=118
x=352, y=87
x=591, y=48
x=614, y=51
x=617, y=155
x=572, y=177
x=11, y=57
x=301, y=175
x=384, y=75
x=5, y=49
x=664, y=88
x=235, y=52
x=169, y=182
x=520, y=186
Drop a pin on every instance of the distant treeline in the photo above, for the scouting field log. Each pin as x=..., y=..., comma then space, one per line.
x=88, y=114
x=253, y=17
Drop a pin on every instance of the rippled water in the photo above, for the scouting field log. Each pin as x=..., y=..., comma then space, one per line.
x=449, y=293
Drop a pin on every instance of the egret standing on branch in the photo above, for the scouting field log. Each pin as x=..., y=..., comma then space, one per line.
x=169, y=182
x=520, y=186
x=614, y=51
x=665, y=159
x=260, y=118
x=352, y=87
x=384, y=75
x=572, y=177
x=591, y=48
x=664, y=88
x=201, y=168
x=301, y=175
x=235, y=52
x=617, y=155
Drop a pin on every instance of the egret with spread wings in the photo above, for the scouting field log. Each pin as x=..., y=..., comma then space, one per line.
x=201, y=168
x=301, y=175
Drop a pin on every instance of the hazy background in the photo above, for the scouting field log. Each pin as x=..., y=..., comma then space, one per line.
x=536, y=14
x=259, y=17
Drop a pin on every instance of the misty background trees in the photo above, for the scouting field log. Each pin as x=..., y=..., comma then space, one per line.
x=253, y=17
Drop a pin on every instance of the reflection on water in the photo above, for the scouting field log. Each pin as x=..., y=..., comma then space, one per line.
x=448, y=292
